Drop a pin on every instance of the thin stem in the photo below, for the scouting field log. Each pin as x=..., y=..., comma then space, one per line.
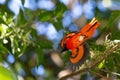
x=100, y=75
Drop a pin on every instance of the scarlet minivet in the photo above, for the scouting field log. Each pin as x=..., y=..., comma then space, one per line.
x=75, y=42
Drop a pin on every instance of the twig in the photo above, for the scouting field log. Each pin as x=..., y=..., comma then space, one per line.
x=100, y=59
x=100, y=75
x=114, y=73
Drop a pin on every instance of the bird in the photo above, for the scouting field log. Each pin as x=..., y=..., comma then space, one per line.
x=75, y=42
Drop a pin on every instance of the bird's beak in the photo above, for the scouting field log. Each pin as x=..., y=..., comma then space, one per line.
x=61, y=50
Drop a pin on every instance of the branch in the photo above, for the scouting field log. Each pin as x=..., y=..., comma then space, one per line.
x=100, y=75
x=100, y=59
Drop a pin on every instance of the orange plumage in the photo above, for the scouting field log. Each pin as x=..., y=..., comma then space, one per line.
x=75, y=42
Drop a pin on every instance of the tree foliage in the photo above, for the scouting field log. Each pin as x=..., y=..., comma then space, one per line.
x=19, y=36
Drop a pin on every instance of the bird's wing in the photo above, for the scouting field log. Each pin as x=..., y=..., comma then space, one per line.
x=78, y=56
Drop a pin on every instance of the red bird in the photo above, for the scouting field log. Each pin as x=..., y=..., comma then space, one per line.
x=75, y=42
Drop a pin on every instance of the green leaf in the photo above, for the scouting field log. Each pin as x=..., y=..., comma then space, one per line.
x=58, y=25
x=101, y=65
x=100, y=15
x=42, y=45
x=2, y=21
x=66, y=56
x=21, y=19
x=113, y=18
x=1, y=59
x=33, y=34
x=117, y=57
x=45, y=16
x=5, y=48
x=110, y=64
x=95, y=47
x=40, y=54
x=115, y=35
x=5, y=9
x=3, y=30
x=29, y=14
x=45, y=44
x=6, y=74
x=60, y=9
x=23, y=1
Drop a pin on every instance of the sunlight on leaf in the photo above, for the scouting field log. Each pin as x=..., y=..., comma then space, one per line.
x=101, y=64
x=6, y=74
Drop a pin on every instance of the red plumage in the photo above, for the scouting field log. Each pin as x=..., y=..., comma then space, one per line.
x=75, y=41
